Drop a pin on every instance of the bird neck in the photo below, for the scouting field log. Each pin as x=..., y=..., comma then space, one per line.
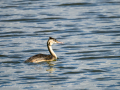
x=51, y=51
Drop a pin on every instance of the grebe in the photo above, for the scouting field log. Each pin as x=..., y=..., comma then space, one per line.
x=42, y=57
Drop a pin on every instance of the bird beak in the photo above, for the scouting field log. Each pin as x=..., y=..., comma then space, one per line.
x=59, y=42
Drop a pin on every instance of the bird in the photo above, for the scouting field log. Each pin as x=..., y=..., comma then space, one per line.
x=43, y=57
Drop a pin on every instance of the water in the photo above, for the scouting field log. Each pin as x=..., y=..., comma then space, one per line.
x=89, y=59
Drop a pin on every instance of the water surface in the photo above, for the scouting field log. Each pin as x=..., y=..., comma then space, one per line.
x=89, y=59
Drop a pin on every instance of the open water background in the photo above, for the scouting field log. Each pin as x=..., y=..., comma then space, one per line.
x=89, y=59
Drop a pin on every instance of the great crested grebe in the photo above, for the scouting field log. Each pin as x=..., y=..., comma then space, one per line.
x=42, y=57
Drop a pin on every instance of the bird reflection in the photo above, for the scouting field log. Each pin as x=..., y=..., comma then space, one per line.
x=42, y=66
x=51, y=70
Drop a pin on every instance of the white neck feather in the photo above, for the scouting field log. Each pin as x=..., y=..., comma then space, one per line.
x=51, y=51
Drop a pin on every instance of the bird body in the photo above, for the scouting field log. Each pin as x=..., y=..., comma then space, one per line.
x=42, y=57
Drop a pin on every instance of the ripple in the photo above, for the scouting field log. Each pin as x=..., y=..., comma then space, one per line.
x=22, y=19
x=77, y=4
x=104, y=32
x=13, y=62
x=28, y=77
x=13, y=32
x=89, y=57
x=97, y=57
x=109, y=17
x=75, y=72
x=3, y=56
x=66, y=67
x=103, y=79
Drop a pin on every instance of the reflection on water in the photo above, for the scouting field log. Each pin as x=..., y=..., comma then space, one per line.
x=51, y=69
x=49, y=66
x=89, y=59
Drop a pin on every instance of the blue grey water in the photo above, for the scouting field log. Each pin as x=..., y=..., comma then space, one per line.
x=89, y=59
